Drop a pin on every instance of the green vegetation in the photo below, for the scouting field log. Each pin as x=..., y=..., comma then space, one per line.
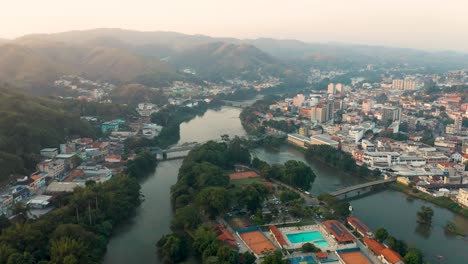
x=336, y=208
x=275, y=258
x=288, y=196
x=203, y=192
x=133, y=94
x=294, y=173
x=308, y=247
x=249, y=120
x=143, y=164
x=452, y=228
x=283, y=125
x=381, y=234
x=410, y=254
x=28, y=124
x=439, y=201
x=424, y=215
x=76, y=232
x=337, y=159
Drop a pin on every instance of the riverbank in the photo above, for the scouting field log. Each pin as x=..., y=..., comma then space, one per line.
x=443, y=202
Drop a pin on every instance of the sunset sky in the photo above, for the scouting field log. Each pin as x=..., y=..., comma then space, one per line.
x=425, y=24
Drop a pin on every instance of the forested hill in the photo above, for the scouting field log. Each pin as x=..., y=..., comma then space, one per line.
x=29, y=123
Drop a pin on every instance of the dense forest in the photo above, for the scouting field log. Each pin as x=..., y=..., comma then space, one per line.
x=78, y=230
x=203, y=193
x=338, y=159
x=28, y=124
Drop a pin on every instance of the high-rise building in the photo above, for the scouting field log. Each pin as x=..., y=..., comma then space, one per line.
x=330, y=110
x=397, y=84
x=298, y=100
x=339, y=88
x=407, y=84
x=390, y=113
x=331, y=88
x=319, y=113
x=366, y=105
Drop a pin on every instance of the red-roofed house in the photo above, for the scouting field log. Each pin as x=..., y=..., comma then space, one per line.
x=359, y=226
x=279, y=238
x=389, y=256
x=386, y=255
x=341, y=234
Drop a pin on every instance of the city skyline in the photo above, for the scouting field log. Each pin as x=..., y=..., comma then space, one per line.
x=428, y=25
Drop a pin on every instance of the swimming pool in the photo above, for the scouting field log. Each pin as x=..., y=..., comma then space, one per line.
x=314, y=237
x=300, y=260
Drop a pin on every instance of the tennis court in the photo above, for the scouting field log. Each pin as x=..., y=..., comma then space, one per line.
x=257, y=242
x=354, y=257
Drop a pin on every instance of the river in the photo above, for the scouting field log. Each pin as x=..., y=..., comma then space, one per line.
x=135, y=242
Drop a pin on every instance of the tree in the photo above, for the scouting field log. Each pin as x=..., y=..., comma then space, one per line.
x=204, y=236
x=398, y=245
x=252, y=196
x=187, y=217
x=414, y=256
x=247, y=258
x=381, y=234
x=213, y=200
x=275, y=258
x=69, y=248
x=287, y=196
x=298, y=174
x=173, y=248
x=424, y=215
x=308, y=247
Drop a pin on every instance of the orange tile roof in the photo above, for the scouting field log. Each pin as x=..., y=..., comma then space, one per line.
x=373, y=245
x=278, y=235
x=340, y=233
x=360, y=226
x=391, y=256
x=447, y=164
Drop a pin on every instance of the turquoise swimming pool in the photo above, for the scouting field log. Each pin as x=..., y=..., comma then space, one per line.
x=313, y=236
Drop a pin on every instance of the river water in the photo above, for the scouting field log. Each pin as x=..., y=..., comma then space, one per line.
x=135, y=242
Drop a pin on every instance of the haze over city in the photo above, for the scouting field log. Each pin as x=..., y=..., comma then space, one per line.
x=421, y=24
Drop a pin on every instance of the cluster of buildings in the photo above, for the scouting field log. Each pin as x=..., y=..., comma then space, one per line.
x=80, y=88
x=386, y=129
x=63, y=168
x=336, y=242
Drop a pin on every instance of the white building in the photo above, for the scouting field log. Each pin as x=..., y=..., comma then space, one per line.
x=462, y=197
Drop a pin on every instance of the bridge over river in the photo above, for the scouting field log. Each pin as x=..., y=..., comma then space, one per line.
x=361, y=186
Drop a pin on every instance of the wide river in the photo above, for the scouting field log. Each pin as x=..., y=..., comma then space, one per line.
x=135, y=242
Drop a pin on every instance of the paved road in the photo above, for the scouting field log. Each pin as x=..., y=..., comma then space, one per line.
x=310, y=201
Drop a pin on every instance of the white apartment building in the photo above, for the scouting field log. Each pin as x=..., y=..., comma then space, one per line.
x=380, y=160
x=462, y=197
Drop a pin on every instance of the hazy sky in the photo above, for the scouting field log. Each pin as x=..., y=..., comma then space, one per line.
x=427, y=24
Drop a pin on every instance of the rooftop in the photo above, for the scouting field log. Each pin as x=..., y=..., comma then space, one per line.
x=338, y=231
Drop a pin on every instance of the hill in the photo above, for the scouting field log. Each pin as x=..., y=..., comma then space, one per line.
x=304, y=54
x=28, y=124
x=221, y=60
x=132, y=94
x=34, y=63
x=156, y=59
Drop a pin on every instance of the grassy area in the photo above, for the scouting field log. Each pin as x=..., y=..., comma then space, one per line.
x=246, y=181
x=439, y=201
